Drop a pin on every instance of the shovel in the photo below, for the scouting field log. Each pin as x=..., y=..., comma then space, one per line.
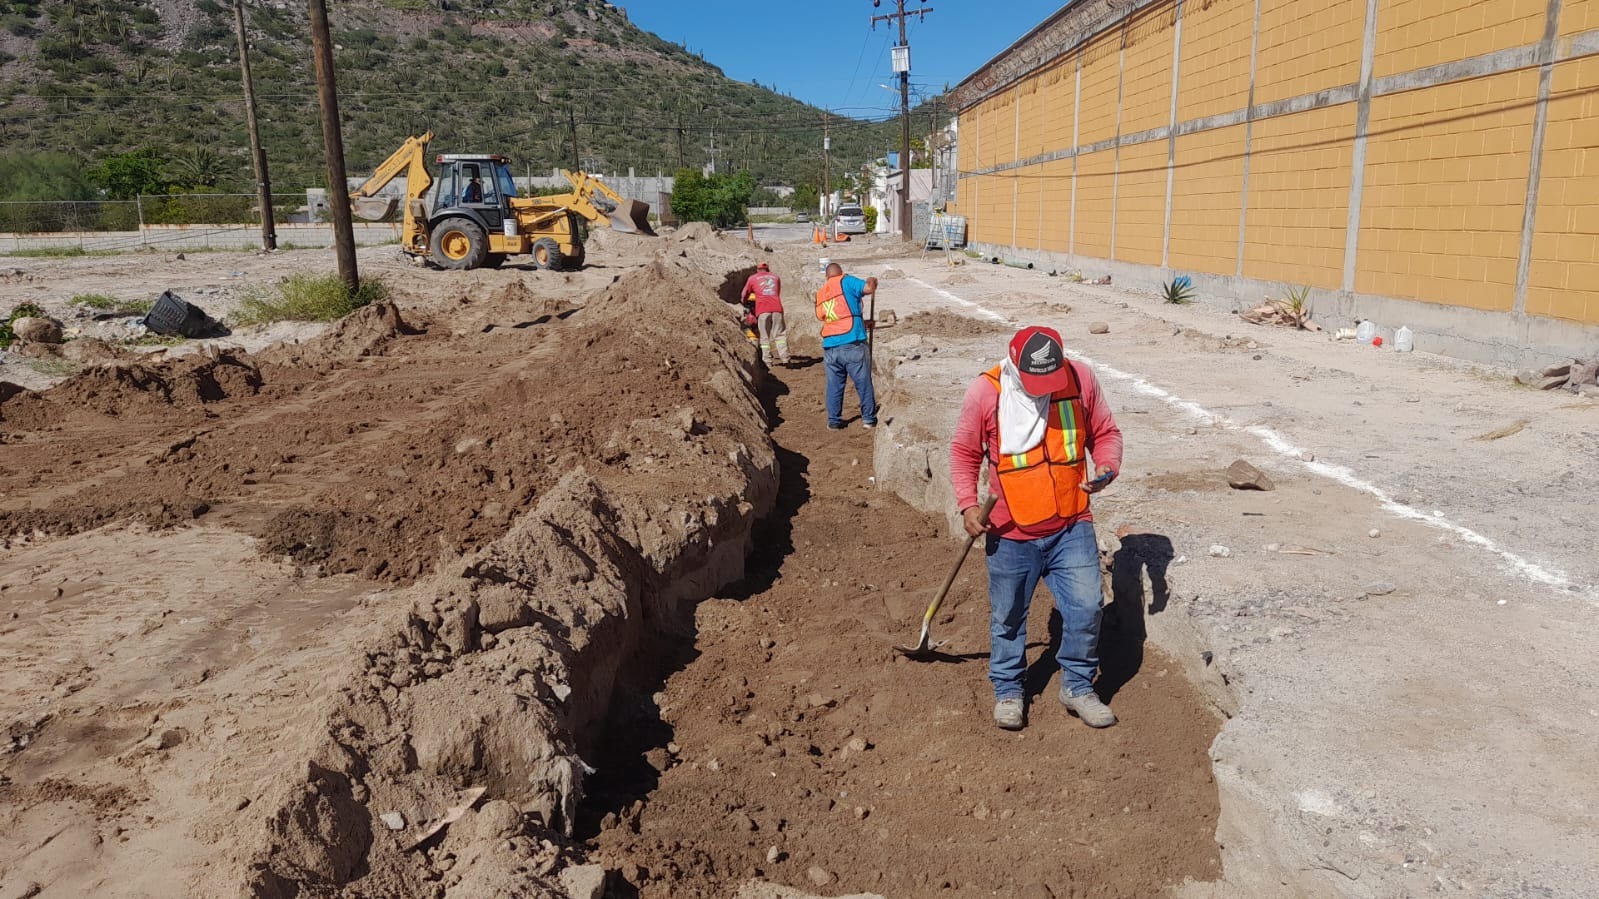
x=925, y=648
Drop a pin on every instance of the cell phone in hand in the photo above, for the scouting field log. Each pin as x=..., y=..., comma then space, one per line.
x=1103, y=479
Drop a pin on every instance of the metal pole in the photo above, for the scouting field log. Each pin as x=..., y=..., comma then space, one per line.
x=138, y=204
x=333, y=147
x=258, y=159
x=571, y=124
x=904, y=138
x=827, y=171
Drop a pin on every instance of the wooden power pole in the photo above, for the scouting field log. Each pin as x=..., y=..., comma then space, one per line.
x=827, y=171
x=902, y=65
x=258, y=159
x=333, y=147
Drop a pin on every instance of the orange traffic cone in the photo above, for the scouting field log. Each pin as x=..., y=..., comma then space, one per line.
x=817, y=236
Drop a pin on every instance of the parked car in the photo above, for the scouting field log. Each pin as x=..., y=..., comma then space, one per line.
x=802, y=218
x=850, y=220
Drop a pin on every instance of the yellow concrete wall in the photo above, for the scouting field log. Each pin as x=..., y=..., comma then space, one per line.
x=1096, y=182
x=1564, y=280
x=1060, y=96
x=1146, y=73
x=1030, y=143
x=1307, y=46
x=1413, y=34
x=1214, y=74
x=1299, y=197
x=1101, y=80
x=1578, y=16
x=1141, y=202
x=1446, y=178
x=1207, y=188
x=1028, y=203
x=1057, y=180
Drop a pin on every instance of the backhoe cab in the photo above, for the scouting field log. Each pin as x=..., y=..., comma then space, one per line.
x=471, y=216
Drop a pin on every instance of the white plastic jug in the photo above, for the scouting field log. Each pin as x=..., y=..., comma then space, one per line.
x=1404, y=340
x=1365, y=331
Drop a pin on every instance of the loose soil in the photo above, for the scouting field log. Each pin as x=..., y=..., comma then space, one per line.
x=790, y=743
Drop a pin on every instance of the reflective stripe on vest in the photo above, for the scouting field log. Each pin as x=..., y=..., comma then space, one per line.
x=832, y=308
x=1043, y=483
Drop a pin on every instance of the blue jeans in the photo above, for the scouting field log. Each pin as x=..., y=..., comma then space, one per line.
x=1068, y=561
x=853, y=360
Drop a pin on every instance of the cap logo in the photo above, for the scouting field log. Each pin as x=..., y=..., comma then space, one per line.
x=1041, y=356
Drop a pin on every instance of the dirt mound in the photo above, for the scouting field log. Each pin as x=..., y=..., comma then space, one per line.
x=93, y=351
x=939, y=323
x=137, y=389
x=365, y=332
x=958, y=279
x=694, y=231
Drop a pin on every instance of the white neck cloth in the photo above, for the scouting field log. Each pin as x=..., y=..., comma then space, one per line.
x=1022, y=416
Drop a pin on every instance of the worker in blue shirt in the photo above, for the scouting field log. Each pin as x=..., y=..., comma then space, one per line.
x=845, y=352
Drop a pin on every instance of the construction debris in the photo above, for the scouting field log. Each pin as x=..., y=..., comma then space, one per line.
x=1573, y=376
x=1281, y=312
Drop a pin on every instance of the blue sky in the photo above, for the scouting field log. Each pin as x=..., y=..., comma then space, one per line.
x=825, y=52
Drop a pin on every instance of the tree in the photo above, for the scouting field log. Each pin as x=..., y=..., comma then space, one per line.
x=807, y=196
x=128, y=175
x=197, y=167
x=29, y=175
x=721, y=200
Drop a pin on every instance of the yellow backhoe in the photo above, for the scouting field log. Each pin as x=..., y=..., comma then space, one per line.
x=471, y=215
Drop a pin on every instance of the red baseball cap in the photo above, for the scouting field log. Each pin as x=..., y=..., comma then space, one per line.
x=761, y=267
x=1039, y=358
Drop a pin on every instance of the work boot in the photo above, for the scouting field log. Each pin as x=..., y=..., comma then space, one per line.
x=868, y=425
x=1088, y=707
x=1008, y=713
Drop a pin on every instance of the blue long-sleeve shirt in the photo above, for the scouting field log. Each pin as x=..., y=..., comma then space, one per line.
x=854, y=290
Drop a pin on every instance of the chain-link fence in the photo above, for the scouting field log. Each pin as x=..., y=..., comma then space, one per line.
x=176, y=220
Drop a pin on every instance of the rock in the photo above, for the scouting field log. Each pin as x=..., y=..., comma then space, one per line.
x=742, y=822
x=584, y=881
x=1099, y=328
x=1589, y=390
x=908, y=345
x=1555, y=371
x=773, y=855
x=1243, y=476
x=817, y=700
x=767, y=642
x=1527, y=377
x=858, y=744
x=165, y=739
x=37, y=330
x=1307, y=456
x=1374, y=533
x=818, y=876
x=1379, y=588
x=393, y=820
x=887, y=318
x=1219, y=551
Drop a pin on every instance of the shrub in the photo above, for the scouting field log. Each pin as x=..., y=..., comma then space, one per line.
x=26, y=310
x=307, y=297
x=871, y=219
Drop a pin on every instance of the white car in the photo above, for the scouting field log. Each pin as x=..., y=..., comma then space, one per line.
x=850, y=220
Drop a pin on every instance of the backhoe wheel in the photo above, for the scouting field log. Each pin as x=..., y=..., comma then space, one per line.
x=458, y=244
x=547, y=254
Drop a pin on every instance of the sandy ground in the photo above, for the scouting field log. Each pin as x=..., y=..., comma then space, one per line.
x=258, y=595
x=1402, y=631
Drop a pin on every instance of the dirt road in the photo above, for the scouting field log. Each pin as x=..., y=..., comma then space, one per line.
x=789, y=743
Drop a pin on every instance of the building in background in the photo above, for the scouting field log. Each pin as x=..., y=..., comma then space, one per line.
x=1430, y=163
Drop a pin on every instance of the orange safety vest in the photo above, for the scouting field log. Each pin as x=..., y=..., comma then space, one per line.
x=1043, y=483
x=832, y=309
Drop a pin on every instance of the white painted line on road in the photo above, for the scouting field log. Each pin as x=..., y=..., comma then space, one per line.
x=1528, y=570
x=981, y=310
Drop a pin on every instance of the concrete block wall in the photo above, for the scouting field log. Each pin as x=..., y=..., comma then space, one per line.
x=1426, y=159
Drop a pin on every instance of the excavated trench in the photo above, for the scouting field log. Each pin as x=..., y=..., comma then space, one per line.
x=672, y=662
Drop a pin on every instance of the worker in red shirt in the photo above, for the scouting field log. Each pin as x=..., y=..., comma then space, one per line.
x=1034, y=420
x=767, y=289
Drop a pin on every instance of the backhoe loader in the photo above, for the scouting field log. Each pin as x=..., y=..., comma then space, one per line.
x=471, y=216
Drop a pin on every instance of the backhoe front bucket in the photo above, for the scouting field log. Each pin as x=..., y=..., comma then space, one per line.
x=374, y=209
x=632, y=217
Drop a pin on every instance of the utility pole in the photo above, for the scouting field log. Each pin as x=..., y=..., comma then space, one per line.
x=333, y=147
x=680, y=162
x=902, y=65
x=571, y=124
x=827, y=170
x=258, y=160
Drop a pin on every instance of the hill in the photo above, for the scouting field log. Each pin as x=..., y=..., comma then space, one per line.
x=95, y=79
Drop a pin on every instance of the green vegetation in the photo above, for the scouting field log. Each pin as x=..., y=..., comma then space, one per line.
x=1178, y=292
x=112, y=98
x=721, y=200
x=25, y=310
x=307, y=297
x=871, y=219
x=106, y=302
x=54, y=368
